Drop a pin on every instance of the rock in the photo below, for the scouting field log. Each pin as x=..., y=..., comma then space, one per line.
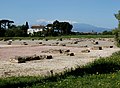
x=63, y=44
x=60, y=51
x=100, y=48
x=108, y=46
x=46, y=51
x=32, y=39
x=95, y=43
x=21, y=60
x=85, y=51
x=60, y=39
x=24, y=43
x=49, y=57
x=40, y=42
x=46, y=39
x=42, y=57
x=97, y=48
x=18, y=59
x=76, y=42
x=67, y=50
x=28, y=58
x=57, y=43
x=35, y=57
x=70, y=54
x=9, y=42
x=111, y=46
x=83, y=46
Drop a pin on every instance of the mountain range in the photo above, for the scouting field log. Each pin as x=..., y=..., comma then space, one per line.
x=82, y=27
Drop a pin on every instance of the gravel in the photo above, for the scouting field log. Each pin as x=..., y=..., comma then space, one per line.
x=59, y=63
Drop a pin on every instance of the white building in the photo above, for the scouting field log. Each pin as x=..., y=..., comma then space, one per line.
x=35, y=28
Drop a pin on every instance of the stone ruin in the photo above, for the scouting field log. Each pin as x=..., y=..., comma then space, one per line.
x=24, y=43
x=108, y=46
x=9, y=42
x=20, y=59
x=97, y=48
x=85, y=51
x=95, y=42
x=59, y=51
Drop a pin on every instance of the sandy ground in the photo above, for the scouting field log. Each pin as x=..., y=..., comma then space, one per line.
x=59, y=62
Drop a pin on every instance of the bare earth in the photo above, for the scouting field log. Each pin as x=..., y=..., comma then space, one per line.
x=59, y=63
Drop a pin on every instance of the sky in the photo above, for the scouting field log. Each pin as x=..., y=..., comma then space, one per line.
x=95, y=12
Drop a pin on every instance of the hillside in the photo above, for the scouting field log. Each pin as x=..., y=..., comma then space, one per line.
x=82, y=27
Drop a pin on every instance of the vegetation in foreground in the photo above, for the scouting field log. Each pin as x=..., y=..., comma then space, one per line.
x=102, y=73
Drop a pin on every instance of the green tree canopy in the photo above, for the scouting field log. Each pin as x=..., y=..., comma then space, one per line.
x=117, y=16
x=17, y=31
x=58, y=28
x=117, y=30
x=63, y=27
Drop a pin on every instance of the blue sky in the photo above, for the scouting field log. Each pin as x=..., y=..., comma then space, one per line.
x=96, y=12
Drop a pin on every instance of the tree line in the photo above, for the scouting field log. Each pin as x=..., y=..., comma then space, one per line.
x=14, y=31
x=55, y=29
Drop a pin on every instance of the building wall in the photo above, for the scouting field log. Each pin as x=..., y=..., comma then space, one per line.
x=33, y=30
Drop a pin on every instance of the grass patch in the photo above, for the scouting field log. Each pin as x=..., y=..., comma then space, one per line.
x=88, y=36
x=57, y=37
x=101, y=73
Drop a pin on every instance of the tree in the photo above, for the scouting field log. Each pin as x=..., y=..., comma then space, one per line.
x=2, y=32
x=107, y=32
x=117, y=16
x=56, y=25
x=25, y=29
x=117, y=30
x=63, y=28
x=9, y=33
x=4, y=25
x=14, y=32
x=17, y=31
x=27, y=25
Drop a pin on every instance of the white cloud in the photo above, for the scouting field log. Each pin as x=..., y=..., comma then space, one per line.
x=51, y=21
x=43, y=20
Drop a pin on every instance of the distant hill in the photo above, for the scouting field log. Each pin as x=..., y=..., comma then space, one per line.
x=81, y=27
